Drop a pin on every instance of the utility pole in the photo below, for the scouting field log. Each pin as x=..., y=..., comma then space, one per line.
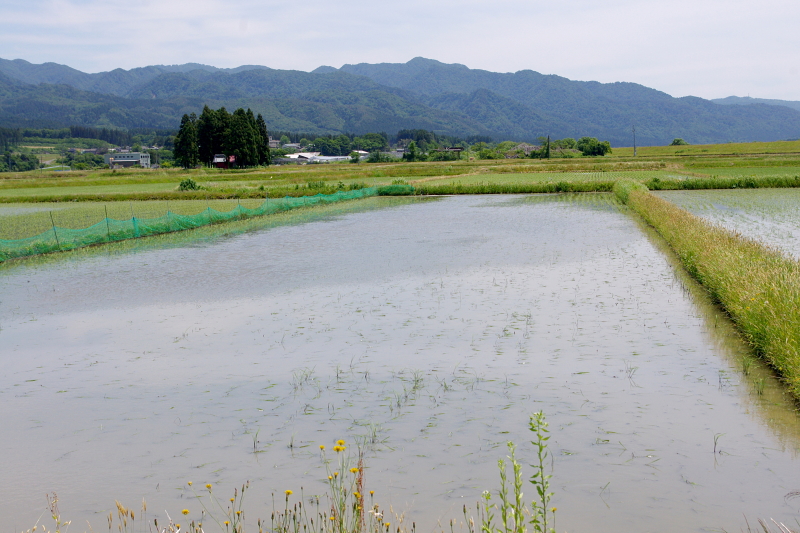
x=633, y=129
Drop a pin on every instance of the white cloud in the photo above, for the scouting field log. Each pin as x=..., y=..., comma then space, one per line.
x=708, y=48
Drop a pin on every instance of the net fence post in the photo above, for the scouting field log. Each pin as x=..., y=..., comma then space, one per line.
x=108, y=228
x=169, y=218
x=55, y=233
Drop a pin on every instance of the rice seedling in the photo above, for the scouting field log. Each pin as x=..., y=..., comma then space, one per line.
x=747, y=362
x=717, y=436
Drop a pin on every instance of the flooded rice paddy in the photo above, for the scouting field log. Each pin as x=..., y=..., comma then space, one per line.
x=771, y=216
x=427, y=331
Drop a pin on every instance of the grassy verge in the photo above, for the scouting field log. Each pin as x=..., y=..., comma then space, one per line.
x=756, y=285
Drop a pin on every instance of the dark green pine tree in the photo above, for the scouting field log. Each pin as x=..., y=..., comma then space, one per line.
x=241, y=139
x=208, y=135
x=186, y=152
x=264, y=157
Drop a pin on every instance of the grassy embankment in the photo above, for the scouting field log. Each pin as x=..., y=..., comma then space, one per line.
x=756, y=285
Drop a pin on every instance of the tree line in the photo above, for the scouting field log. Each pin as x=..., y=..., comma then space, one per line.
x=9, y=137
x=240, y=134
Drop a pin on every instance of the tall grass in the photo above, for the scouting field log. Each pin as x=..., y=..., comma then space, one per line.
x=756, y=285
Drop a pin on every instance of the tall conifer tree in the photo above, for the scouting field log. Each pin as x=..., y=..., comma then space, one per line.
x=207, y=135
x=241, y=139
x=264, y=157
x=186, y=152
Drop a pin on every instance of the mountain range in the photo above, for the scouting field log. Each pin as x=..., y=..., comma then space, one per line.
x=422, y=93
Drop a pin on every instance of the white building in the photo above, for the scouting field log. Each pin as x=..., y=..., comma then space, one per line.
x=127, y=160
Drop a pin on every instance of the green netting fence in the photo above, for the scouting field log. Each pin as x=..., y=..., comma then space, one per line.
x=112, y=230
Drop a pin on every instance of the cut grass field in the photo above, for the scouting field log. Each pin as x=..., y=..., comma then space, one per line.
x=758, y=286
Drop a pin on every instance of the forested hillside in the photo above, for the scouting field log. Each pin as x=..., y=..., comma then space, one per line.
x=423, y=93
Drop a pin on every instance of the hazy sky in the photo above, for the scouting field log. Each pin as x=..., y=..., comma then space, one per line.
x=707, y=48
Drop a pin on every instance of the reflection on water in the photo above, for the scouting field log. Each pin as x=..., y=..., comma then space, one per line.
x=767, y=215
x=427, y=331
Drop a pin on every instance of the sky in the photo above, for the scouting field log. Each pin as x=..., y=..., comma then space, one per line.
x=705, y=48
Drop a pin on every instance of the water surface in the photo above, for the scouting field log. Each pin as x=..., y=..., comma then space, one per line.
x=771, y=216
x=429, y=331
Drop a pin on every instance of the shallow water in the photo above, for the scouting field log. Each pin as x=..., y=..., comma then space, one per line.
x=771, y=216
x=430, y=331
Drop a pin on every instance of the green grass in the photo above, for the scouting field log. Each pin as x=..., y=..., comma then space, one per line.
x=18, y=221
x=87, y=189
x=94, y=227
x=741, y=172
x=776, y=147
x=757, y=285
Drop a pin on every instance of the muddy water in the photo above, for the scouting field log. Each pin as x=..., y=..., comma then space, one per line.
x=429, y=332
x=767, y=215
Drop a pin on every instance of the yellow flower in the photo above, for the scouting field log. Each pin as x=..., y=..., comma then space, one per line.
x=340, y=442
x=357, y=495
x=288, y=492
x=342, y=448
x=387, y=524
x=238, y=513
x=332, y=518
x=371, y=492
x=226, y=522
x=554, y=509
x=354, y=470
x=208, y=486
x=189, y=483
x=321, y=446
x=232, y=500
x=330, y=477
x=185, y=511
x=336, y=474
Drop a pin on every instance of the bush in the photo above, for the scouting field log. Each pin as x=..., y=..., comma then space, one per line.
x=188, y=184
x=678, y=142
x=378, y=157
x=592, y=147
x=395, y=190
